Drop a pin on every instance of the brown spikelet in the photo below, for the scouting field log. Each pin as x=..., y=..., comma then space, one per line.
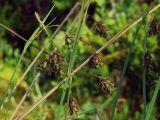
x=55, y=64
x=148, y=62
x=105, y=84
x=96, y=61
x=101, y=29
x=52, y=64
x=154, y=28
x=84, y=41
x=73, y=106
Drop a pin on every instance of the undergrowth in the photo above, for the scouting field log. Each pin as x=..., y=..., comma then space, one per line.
x=57, y=71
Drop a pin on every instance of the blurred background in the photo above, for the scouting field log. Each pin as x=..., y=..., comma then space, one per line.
x=18, y=15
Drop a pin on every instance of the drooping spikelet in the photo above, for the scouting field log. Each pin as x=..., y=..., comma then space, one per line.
x=101, y=29
x=52, y=64
x=96, y=61
x=73, y=106
x=154, y=28
x=105, y=84
x=148, y=62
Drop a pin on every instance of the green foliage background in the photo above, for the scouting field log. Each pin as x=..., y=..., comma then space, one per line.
x=115, y=15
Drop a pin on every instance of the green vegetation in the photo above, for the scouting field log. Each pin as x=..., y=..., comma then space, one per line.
x=82, y=60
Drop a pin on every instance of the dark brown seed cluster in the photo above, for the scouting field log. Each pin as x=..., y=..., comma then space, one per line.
x=101, y=29
x=96, y=61
x=73, y=106
x=154, y=28
x=105, y=84
x=55, y=64
x=148, y=62
x=52, y=64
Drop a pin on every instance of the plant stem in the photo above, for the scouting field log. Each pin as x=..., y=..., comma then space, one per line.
x=114, y=39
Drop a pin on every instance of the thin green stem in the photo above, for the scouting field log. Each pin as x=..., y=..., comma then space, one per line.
x=144, y=94
x=61, y=102
x=49, y=35
x=118, y=90
x=144, y=71
x=151, y=105
x=83, y=14
x=111, y=41
x=28, y=43
x=24, y=97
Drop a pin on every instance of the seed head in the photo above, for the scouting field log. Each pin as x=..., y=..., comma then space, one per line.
x=148, y=62
x=52, y=64
x=154, y=28
x=96, y=61
x=105, y=84
x=73, y=105
x=101, y=29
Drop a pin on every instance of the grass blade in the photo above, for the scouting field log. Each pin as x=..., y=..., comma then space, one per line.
x=20, y=59
x=83, y=14
x=114, y=39
x=118, y=90
x=144, y=71
x=24, y=39
x=144, y=94
x=49, y=35
x=23, y=98
x=43, y=49
x=151, y=105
